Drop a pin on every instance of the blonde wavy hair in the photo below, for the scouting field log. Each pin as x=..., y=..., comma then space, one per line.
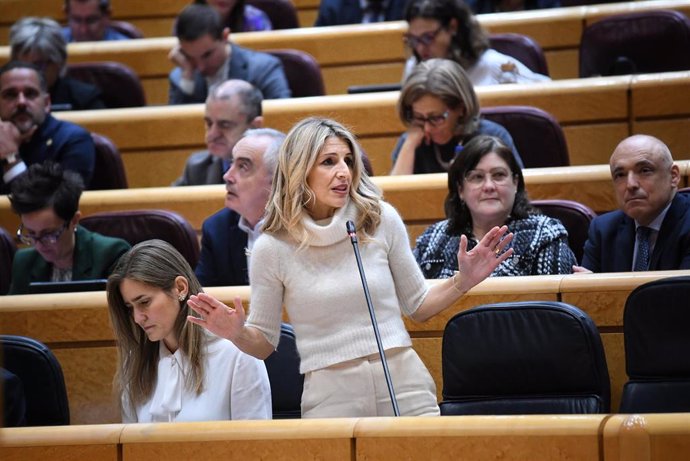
x=291, y=193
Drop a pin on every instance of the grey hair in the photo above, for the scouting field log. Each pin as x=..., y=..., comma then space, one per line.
x=250, y=97
x=270, y=156
x=42, y=36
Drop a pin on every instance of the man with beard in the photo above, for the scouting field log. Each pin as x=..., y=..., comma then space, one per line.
x=232, y=107
x=229, y=235
x=651, y=231
x=29, y=134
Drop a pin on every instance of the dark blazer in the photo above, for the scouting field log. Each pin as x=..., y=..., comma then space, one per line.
x=262, y=70
x=78, y=95
x=201, y=168
x=337, y=12
x=611, y=241
x=223, y=260
x=94, y=258
x=63, y=142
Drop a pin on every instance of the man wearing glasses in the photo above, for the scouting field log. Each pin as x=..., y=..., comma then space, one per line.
x=88, y=21
x=29, y=134
x=46, y=199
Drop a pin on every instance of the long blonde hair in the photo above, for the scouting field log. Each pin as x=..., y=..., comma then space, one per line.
x=291, y=194
x=158, y=264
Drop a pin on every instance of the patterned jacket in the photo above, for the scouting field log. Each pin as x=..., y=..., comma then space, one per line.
x=540, y=247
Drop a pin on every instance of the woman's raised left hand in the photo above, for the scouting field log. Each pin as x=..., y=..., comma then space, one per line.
x=477, y=264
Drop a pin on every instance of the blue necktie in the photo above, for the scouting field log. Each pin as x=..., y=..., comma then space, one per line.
x=642, y=260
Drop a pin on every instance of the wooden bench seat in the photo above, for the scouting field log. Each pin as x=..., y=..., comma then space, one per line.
x=616, y=437
x=76, y=327
x=595, y=115
x=418, y=198
x=345, y=53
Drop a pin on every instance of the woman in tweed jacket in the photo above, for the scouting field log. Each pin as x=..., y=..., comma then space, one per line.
x=485, y=189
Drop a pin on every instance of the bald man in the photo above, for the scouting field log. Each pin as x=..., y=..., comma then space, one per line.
x=232, y=107
x=651, y=230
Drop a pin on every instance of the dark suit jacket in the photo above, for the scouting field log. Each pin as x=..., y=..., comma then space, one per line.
x=63, y=142
x=94, y=258
x=201, y=168
x=262, y=70
x=78, y=95
x=611, y=241
x=337, y=12
x=223, y=260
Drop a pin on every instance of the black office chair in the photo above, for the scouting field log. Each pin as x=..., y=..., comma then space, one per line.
x=283, y=373
x=136, y=226
x=109, y=170
x=523, y=48
x=120, y=85
x=536, y=357
x=7, y=250
x=42, y=378
x=536, y=133
x=574, y=216
x=282, y=13
x=302, y=72
x=642, y=42
x=657, y=347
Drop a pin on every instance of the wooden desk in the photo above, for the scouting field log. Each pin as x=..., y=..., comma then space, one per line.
x=418, y=198
x=594, y=113
x=557, y=30
x=76, y=328
x=649, y=437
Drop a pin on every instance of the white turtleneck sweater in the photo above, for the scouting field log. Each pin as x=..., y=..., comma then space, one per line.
x=321, y=288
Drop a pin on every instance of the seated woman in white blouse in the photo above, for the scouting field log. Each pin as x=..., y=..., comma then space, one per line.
x=169, y=369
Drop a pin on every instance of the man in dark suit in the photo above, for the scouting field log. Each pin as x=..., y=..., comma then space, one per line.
x=204, y=57
x=228, y=235
x=29, y=134
x=651, y=231
x=232, y=107
x=46, y=199
x=337, y=12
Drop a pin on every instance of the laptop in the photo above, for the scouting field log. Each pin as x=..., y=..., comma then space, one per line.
x=67, y=287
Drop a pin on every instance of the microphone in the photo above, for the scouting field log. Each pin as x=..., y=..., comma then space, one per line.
x=352, y=232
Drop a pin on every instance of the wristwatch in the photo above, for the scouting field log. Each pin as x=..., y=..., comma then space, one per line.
x=10, y=159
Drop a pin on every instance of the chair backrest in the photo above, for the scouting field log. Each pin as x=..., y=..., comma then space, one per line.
x=109, y=170
x=302, y=71
x=537, y=134
x=523, y=48
x=538, y=357
x=282, y=13
x=575, y=217
x=657, y=347
x=642, y=42
x=42, y=379
x=120, y=86
x=283, y=373
x=138, y=225
x=127, y=28
x=7, y=250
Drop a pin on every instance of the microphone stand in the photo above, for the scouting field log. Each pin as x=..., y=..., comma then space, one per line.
x=352, y=232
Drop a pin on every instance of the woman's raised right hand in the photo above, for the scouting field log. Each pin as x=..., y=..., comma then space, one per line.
x=216, y=317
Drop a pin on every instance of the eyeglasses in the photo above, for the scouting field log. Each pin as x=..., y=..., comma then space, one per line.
x=433, y=120
x=426, y=39
x=49, y=238
x=477, y=178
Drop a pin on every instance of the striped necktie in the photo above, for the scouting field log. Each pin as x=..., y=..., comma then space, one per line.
x=642, y=260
